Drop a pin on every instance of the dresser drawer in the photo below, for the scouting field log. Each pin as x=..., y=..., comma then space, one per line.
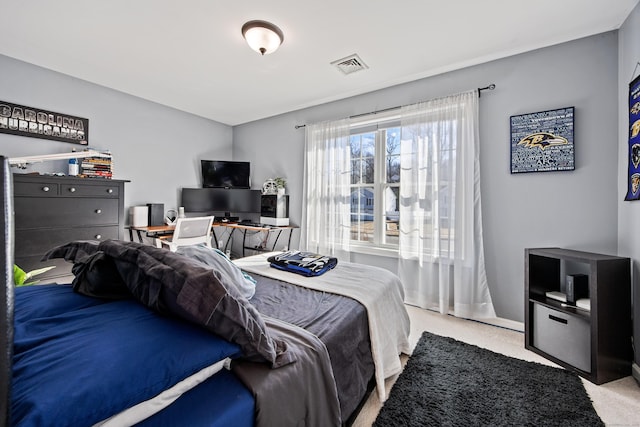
x=63, y=212
x=563, y=336
x=43, y=187
x=35, y=188
x=34, y=242
x=82, y=190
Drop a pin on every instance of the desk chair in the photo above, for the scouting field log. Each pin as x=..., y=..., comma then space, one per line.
x=189, y=231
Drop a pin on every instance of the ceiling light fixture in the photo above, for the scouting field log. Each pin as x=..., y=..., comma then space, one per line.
x=262, y=36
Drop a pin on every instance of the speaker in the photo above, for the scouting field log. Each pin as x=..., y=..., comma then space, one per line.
x=139, y=216
x=577, y=287
x=274, y=209
x=156, y=213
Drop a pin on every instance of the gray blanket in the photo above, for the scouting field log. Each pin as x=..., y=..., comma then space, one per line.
x=378, y=290
x=299, y=394
x=341, y=324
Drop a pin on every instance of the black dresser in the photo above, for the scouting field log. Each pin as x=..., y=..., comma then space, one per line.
x=50, y=211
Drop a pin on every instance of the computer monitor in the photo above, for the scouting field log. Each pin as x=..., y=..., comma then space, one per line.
x=221, y=200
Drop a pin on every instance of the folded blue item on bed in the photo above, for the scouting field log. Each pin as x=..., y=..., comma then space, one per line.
x=304, y=263
x=80, y=360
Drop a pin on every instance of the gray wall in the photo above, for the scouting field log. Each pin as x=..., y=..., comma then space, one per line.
x=155, y=147
x=158, y=148
x=575, y=209
x=628, y=212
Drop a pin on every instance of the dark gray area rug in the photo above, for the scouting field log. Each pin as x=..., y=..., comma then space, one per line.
x=451, y=383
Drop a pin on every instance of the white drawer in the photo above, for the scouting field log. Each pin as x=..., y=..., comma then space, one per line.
x=563, y=336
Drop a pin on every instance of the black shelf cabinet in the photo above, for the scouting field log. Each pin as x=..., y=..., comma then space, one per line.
x=594, y=343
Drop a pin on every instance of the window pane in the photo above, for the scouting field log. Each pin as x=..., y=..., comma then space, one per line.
x=392, y=155
x=392, y=215
x=368, y=170
x=355, y=145
x=355, y=171
x=362, y=158
x=393, y=141
x=393, y=169
x=362, y=227
x=368, y=145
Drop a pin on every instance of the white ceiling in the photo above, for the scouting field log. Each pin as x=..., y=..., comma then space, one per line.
x=190, y=54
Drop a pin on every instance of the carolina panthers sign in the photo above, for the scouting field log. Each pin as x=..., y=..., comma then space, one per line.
x=543, y=142
x=633, y=185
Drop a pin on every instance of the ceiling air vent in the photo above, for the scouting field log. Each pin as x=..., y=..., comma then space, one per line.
x=350, y=64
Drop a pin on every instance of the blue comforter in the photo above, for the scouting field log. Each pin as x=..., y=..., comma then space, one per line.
x=91, y=370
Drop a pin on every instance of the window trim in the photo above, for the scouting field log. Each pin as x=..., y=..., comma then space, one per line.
x=371, y=249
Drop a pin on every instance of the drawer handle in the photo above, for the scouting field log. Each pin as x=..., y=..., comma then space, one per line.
x=558, y=319
x=45, y=189
x=98, y=211
x=110, y=190
x=72, y=189
x=98, y=236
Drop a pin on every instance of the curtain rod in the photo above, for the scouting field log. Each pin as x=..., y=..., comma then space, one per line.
x=492, y=86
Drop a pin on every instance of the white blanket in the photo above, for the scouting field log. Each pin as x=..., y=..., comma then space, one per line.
x=379, y=290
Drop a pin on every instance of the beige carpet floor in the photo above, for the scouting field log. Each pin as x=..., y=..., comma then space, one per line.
x=617, y=402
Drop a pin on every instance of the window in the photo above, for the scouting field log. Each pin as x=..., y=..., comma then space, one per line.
x=376, y=153
x=427, y=153
x=375, y=185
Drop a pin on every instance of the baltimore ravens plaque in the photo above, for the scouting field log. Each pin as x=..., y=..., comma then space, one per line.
x=543, y=141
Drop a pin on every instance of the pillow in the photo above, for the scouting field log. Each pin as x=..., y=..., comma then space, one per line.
x=169, y=282
x=95, y=273
x=227, y=272
x=96, y=276
x=73, y=251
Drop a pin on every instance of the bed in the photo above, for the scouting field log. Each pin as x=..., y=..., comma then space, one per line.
x=150, y=337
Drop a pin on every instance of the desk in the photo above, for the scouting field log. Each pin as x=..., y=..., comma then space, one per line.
x=151, y=231
x=157, y=231
x=264, y=244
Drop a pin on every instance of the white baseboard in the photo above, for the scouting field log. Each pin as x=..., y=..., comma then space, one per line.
x=492, y=321
x=635, y=371
x=504, y=323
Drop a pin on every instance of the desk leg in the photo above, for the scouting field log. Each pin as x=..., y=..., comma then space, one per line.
x=230, y=239
x=215, y=238
x=244, y=239
x=139, y=235
x=273, y=248
x=289, y=242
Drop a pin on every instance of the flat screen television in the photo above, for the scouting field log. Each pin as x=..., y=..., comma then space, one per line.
x=225, y=174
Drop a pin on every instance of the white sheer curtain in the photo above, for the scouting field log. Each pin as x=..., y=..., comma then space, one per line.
x=326, y=213
x=441, y=255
